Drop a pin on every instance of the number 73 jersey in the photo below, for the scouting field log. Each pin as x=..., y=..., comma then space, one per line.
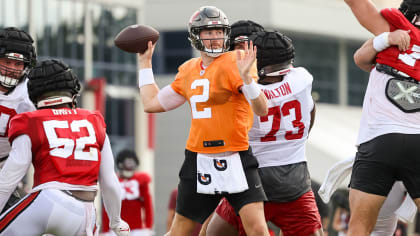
x=66, y=144
x=279, y=138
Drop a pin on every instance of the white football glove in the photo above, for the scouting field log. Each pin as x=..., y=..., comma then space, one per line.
x=122, y=229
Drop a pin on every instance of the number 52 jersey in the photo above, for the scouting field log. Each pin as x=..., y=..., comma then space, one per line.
x=279, y=138
x=66, y=144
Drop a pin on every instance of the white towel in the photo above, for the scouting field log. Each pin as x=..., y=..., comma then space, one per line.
x=339, y=171
x=220, y=174
x=335, y=176
x=407, y=211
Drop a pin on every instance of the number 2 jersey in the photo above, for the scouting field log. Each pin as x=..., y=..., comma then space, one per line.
x=221, y=115
x=11, y=104
x=279, y=138
x=66, y=144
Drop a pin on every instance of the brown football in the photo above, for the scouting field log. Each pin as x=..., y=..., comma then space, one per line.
x=134, y=38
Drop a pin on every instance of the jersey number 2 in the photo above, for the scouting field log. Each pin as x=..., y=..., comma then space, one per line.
x=64, y=147
x=206, y=112
x=276, y=112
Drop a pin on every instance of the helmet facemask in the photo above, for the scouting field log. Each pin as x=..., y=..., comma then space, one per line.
x=411, y=10
x=10, y=77
x=209, y=18
x=416, y=21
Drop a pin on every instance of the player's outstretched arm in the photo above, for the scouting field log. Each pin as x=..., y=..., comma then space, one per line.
x=148, y=88
x=245, y=60
x=111, y=191
x=368, y=16
x=365, y=56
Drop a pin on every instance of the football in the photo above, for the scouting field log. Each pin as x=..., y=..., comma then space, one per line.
x=134, y=38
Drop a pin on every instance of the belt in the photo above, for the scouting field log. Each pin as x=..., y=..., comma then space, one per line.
x=391, y=71
x=85, y=196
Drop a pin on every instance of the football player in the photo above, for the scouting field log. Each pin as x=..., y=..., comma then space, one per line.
x=390, y=124
x=17, y=57
x=70, y=152
x=136, y=207
x=218, y=162
x=278, y=142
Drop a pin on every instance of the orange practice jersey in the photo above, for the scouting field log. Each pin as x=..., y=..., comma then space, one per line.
x=221, y=115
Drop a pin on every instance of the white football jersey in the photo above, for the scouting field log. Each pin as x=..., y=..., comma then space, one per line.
x=279, y=138
x=14, y=103
x=380, y=116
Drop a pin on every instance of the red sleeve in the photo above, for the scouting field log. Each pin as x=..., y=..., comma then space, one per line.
x=395, y=19
x=172, y=199
x=143, y=178
x=18, y=126
x=101, y=126
x=147, y=200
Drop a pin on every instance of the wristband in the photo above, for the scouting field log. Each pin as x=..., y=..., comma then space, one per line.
x=380, y=42
x=146, y=77
x=251, y=91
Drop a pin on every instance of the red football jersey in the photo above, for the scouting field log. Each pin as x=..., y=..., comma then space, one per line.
x=135, y=197
x=66, y=144
x=402, y=61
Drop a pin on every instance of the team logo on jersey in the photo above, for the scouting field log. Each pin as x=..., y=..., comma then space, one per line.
x=204, y=179
x=220, y=165
x=405, y=94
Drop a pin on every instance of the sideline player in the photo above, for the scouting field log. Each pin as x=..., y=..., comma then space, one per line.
x=217, y=148
x=70, y=152
x=390, y=125
x=17, y=57
x=136, y=206
x=278, y=141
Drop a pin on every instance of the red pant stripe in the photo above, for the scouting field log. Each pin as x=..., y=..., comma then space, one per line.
x=13, y=213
